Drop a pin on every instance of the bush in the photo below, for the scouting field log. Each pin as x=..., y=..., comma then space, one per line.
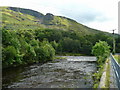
x=21, y=47
x=47, y=51
x=101, y=50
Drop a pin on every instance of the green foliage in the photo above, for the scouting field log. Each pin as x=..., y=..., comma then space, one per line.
x=29, y=43
x=97, y=76
x=70, y=45
x=60, y=21
x=107, y=81
x=21, y=47
x=117, y=57
x=54, y=44
x=117, y=42
x=47, y=50
x=101, y=50
x=9, y=54
x=50, y=34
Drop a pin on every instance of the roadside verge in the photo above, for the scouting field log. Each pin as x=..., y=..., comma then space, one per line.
x=108, y=79
x=104, y=81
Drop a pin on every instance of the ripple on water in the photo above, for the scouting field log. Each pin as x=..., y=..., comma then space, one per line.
x=62, y=74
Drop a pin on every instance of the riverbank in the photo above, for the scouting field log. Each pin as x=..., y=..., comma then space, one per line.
x=31, y=63
x=105, y=78
x=70, y=54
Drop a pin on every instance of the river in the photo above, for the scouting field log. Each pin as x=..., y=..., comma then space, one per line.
x=60, y=73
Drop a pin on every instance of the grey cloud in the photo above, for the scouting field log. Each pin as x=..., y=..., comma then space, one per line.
x=80, y=12
x=84, y=14
x=89, y=17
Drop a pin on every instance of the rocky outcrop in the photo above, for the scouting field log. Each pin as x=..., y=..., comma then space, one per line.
x=47, y=19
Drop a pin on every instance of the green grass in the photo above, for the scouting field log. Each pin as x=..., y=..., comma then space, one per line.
x=70, y=54
x=59, y=58
x=12, y=20
x=97, y=76
x=117, y=57
x=107, y=83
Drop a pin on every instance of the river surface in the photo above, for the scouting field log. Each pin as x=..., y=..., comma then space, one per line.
x=63, y=73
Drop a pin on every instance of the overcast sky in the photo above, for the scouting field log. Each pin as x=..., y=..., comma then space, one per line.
x=97, y=14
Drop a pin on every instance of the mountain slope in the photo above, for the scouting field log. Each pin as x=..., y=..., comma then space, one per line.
x=17, y=20
x=14, y=18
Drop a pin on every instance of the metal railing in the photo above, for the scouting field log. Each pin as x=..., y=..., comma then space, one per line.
x=116, y=69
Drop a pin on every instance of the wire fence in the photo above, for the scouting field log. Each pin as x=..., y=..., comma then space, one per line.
x=116, y=69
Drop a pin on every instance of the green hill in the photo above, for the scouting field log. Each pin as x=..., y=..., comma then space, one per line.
x=14, y=18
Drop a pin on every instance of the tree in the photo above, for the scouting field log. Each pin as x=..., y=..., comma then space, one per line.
x=46, y=51
x=101, y=50
x=54, y=44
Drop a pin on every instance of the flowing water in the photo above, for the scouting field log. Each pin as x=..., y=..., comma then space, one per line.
x=58, y=74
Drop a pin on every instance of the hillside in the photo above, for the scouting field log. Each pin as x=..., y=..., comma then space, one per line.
x=31, y=37
x=14, y=18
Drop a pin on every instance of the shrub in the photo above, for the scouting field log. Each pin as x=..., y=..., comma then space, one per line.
x=101, y=50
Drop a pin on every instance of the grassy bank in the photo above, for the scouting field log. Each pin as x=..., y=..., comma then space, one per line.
x=117, y=57
x=97, y=76
x=107, y=83
x=70, y=54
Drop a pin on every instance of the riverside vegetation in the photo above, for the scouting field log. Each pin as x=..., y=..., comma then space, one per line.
x=30, y=37
x=102, y=51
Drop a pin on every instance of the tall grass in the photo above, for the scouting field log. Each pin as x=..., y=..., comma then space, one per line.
x=117, y=57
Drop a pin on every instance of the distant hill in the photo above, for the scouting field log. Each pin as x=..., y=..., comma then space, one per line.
x=14, y=18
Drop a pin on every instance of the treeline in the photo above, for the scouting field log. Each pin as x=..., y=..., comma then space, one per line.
x=28, y=46
x=74, y=41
